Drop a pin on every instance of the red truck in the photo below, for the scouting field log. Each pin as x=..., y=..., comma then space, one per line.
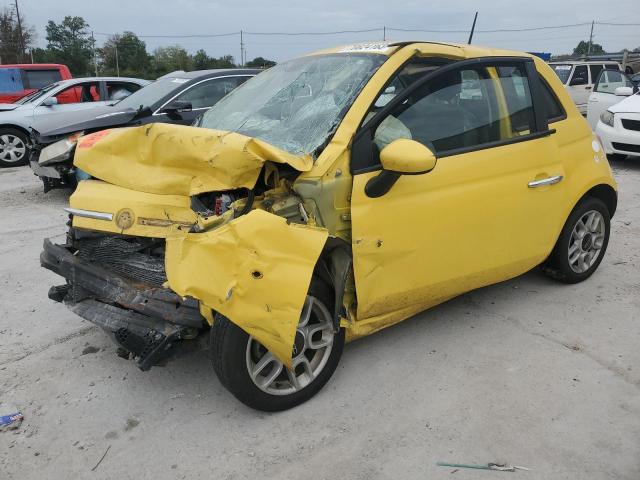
x=18, y=80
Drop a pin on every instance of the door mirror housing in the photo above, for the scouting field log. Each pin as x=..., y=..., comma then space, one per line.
x=407, y=157
x=623, y=91
x=50, y=102
x=400, y=157
x=176, y=107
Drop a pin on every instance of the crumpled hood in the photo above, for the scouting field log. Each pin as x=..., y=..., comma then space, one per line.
x=178, y=160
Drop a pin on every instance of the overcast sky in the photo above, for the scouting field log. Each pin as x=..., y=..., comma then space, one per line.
x=185, y=17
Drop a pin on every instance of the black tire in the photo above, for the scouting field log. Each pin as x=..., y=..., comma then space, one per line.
x=558, y=265
x=228, y=350
x=5, y=156
x=616, y=157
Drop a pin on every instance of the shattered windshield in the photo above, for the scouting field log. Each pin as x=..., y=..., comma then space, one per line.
x=298, y=104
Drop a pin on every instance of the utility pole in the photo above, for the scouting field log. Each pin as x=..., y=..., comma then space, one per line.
x=473, y=28
x=590, y=39
x=95, y=61
x=384, y=33
x=115, y=44
x=21, y=42
x=241, y=50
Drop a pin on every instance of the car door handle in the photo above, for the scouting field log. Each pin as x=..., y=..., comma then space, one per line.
x=546, y=181
x=587, y=88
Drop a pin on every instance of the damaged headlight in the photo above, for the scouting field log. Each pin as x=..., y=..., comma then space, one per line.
x=60, y=151
x=607, y=118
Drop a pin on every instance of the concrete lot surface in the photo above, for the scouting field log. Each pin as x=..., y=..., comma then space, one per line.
x=528, y=372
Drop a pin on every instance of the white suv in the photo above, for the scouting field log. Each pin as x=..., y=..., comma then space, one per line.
x=578, y=78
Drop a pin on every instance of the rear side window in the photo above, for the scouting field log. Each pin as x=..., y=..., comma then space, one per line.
x=120, y=90
x=40, y=78
x=554, y=109
x=580, y=76
x=10, y=80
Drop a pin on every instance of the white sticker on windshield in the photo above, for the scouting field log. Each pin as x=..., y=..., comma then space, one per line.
x=180, y=80
x=562, y=67
x=366, y=47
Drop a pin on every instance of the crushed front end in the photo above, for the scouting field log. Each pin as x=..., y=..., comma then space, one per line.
x=116, y=282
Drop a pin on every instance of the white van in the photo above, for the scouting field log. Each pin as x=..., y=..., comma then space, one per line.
x=578, y=78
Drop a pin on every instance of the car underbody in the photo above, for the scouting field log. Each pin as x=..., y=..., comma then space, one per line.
x=116, y=283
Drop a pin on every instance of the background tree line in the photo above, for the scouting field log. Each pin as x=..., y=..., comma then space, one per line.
x=70, y=42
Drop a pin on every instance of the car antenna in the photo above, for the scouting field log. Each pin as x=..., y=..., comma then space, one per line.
x=473, y=27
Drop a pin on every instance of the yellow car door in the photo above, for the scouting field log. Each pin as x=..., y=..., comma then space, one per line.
x=485, y=213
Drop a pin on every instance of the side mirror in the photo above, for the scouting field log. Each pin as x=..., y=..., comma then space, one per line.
x=50, y=102
x=177, y=107
x=407, y=157
x=623, y=91
x=400, y=157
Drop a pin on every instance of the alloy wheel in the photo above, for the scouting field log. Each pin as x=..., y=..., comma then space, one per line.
x=586, y=241
x=12, y=148
x=311, y=351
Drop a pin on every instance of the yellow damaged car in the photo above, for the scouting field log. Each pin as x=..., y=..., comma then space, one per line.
x=329, y=197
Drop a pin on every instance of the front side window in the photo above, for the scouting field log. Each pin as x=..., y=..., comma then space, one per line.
x=609, y=80
x=462, y=108
x=595, y=71
x=82, y=93
x=210, y=92
x=296, y=105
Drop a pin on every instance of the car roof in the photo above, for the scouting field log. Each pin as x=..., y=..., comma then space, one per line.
x=389, y=48
x=218, y=72
x=583, y=62
x=70, y=81
x=34, y=66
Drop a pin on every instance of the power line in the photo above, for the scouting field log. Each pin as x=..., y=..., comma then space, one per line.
x=204, y=35
x=377, y=29
x=339, y=32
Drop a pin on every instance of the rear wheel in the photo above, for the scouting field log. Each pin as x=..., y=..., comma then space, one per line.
x=14, y=148
x=258, y=379
x=582, y=243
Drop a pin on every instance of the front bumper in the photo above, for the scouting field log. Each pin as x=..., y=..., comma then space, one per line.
x=145, y=321
x=618, y=140
x=57, y=175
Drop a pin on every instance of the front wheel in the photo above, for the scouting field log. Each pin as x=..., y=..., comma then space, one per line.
x=14, y=149
x=582, y=242
x=258, y=379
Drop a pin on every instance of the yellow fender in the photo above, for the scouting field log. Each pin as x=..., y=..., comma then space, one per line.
x=255, y=270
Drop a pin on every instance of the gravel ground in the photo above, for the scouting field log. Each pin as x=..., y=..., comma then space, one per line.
x=527, y=372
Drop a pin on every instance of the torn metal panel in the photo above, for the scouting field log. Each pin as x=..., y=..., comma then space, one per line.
x=170, y=159
x=254, y=270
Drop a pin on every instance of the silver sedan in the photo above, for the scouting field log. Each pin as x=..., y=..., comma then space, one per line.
x=17, y=118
